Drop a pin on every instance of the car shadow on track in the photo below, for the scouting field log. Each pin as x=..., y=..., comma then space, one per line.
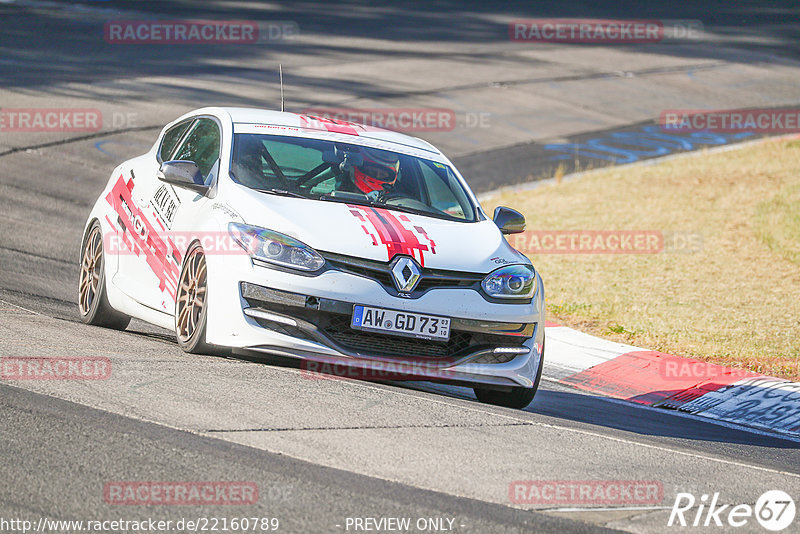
x=580, y=407
x=620, y=415
x=559, y=404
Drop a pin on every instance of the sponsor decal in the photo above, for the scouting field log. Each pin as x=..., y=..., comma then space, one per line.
x=586, y=492
x=227, y=210
x=398, y=234
x=139, y=235
x=166, y=202
x=146, y=493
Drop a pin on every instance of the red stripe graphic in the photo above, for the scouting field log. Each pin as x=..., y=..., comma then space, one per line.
x=141, y=236
x=397, y=238
x=332, y=125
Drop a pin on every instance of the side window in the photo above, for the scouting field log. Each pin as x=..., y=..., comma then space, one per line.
x=201, y=145
x=171, y=138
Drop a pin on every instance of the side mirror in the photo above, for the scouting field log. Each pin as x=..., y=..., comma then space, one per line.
x=509, y=221
x=184, y=174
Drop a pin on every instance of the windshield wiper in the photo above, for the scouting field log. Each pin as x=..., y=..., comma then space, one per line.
x=282, y=192
x=377, y=204
x=359, y=201
x=405, y=209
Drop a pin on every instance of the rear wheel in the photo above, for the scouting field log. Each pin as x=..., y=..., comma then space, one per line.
x=517, y=397
x=92, y=297
x=190, y=303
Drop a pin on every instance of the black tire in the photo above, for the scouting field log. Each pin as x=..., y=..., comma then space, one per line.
x=517, y=398
x=93, y=306
x=191, y=313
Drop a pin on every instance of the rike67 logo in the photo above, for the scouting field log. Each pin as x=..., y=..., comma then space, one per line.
x=774, y=510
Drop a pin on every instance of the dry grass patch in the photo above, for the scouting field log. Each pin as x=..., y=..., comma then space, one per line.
x=734, y=302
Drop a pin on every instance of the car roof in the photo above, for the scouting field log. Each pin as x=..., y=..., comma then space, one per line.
x=298, y=120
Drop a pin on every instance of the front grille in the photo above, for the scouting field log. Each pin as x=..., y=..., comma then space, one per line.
x=328, y=322
x=380, y=275
x=380, y=272
x=338, y=329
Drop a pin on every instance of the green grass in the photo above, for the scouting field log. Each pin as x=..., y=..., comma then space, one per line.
x=734, y=300
x=778, y=223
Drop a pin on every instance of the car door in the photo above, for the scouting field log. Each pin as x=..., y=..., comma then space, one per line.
x=153, y=275
x=137, y=228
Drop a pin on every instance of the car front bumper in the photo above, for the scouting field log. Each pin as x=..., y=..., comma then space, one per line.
x=256, y=308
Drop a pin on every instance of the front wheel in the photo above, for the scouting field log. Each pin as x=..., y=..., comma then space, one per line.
x=92, y=296
x=191, y=307
x=518, y=397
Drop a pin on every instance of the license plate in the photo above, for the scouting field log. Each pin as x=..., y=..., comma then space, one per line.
x=401, y=323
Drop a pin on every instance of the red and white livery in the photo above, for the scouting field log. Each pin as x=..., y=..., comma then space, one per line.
x=329, y=241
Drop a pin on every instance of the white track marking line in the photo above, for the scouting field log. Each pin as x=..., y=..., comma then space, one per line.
x=24, y=309
x=605, y=509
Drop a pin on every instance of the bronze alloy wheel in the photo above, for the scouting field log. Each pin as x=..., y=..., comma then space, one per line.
x=191, y=298
x=92, y=296
x=91, y=270
x=191, y=304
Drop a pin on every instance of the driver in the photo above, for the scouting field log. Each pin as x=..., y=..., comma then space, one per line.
x=378, y=173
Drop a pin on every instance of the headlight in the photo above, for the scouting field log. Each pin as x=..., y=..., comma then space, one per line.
x=511, y=282
x=275, y=248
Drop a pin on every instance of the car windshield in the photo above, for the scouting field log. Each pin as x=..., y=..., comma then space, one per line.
x=328, y=170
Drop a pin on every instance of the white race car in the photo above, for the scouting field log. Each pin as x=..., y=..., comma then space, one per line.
x=329, y=241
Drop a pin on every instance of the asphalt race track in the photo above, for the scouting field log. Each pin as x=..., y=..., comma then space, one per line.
x=323, y=451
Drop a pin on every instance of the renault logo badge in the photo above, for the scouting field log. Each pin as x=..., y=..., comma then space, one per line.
x=405, y=273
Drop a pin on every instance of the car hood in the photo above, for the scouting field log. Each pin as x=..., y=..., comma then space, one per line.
x=377, y=233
